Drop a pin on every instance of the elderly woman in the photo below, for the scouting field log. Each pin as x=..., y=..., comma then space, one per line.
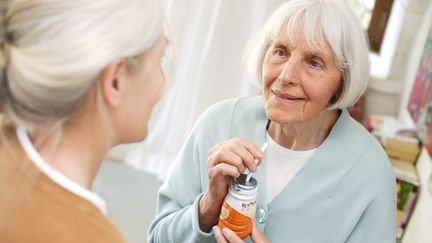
x=76, y=78
x=323, y=178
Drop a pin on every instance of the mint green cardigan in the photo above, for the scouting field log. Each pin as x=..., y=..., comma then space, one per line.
x=345, y=193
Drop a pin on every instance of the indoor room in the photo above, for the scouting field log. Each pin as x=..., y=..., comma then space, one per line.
x=341, y=89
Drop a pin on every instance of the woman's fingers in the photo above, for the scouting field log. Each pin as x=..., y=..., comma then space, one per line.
x=257, y=236
x=247, y=158
x=237, y=152
x=226, y=235
x=227, y=157
x=219, y=237
x=231, y=236
x=252, y=148
x=224, y=169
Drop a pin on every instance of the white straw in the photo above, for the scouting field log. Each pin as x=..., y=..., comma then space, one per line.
x=250, y=174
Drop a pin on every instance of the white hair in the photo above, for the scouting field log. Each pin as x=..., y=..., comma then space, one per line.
x=53, y=51
x=320, y=21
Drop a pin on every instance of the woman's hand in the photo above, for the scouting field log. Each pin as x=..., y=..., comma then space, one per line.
x=226, y=159
x=228, y=236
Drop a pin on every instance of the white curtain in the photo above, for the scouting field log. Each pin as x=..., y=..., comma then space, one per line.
x=210, y=37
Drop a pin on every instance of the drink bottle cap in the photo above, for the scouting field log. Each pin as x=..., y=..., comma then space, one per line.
x=240, y=183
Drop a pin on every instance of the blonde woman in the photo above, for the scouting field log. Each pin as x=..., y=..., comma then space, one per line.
x=76, y=78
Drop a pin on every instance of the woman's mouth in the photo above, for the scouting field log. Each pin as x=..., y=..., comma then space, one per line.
x=286, y=97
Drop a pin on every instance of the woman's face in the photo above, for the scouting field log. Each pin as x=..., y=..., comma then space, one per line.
x=299, y=81
x=146, y=87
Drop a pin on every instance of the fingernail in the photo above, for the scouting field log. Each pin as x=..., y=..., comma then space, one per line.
x=215, y=231
x=227, y=232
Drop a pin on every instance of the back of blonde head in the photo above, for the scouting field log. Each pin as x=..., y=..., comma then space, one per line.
x=52, y=51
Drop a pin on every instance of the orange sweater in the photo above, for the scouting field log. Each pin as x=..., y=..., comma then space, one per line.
x=33, y=208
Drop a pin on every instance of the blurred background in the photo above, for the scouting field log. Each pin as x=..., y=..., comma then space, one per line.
x=209, y=40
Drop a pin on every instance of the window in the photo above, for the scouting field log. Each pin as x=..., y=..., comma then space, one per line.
x=382, y=19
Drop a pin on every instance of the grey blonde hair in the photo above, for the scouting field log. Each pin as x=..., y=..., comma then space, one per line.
x=320, y=21
x=52, y=51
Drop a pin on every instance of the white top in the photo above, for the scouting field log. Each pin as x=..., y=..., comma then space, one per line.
x=55, y=175
x=282, y=166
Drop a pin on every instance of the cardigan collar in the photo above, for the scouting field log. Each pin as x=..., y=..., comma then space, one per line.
x=328, y=165
x=328, y=159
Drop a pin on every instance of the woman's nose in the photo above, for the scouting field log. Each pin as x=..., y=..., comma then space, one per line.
x=290, y=70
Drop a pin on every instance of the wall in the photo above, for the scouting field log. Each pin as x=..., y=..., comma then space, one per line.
x=384, y=95
x=420, y=224
x=418, y=230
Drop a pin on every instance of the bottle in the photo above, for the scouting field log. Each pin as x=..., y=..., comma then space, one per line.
x=239, y=206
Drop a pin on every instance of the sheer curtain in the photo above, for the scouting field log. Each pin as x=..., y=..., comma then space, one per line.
x=209, y=39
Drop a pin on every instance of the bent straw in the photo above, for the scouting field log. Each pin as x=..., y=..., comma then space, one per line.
x=263, y=149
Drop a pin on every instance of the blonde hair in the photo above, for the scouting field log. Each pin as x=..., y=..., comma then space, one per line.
x=52, y=51
x=336, y=24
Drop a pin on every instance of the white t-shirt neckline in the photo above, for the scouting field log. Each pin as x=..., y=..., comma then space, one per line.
x=282, y=166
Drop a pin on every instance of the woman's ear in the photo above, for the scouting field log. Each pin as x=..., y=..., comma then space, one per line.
x=112, y=82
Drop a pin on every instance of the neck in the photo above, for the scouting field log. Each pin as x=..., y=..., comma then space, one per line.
x=78, y=151
x=304, y=136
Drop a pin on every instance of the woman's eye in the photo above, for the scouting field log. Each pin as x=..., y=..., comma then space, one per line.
x=279, y=55
x=280, y=52
x=316, y=64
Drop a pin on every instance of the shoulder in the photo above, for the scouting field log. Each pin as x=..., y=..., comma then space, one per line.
x=243, y=105
x=354, y=135
x=372, y=160
x=347, y=124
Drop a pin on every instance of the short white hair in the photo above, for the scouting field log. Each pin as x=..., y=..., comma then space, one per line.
x=52, y=52
x=320, y=21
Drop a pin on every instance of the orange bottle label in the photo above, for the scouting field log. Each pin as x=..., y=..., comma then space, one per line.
x=238, y=222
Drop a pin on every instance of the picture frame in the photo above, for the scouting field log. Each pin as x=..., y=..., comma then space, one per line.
x=420, y=101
